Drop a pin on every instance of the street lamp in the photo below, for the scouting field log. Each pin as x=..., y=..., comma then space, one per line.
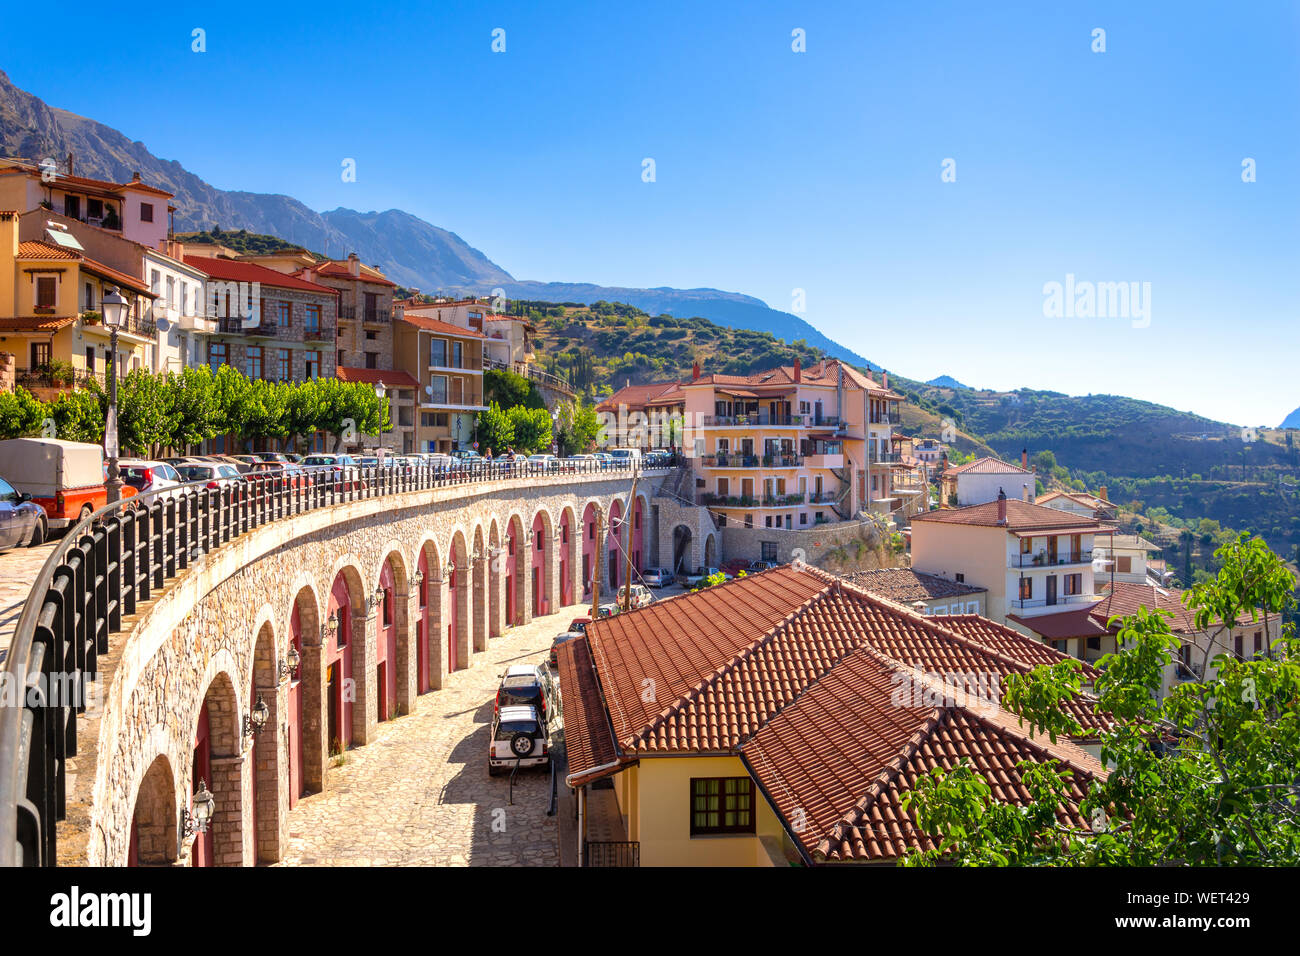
x=205, y=805
x=114, y=309
x=255, y=720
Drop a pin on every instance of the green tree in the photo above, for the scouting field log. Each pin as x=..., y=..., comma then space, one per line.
x=494, y=430
x=79, y=415
x=195, y=405
x=531, y=427
x=576, y=427
x=146, y=422
x=21, y=413
x=1225, y=794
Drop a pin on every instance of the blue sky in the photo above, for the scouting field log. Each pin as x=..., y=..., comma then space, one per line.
x=778, y=170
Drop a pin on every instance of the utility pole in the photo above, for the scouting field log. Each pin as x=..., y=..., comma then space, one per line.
x=595, y=579
x=627, y=553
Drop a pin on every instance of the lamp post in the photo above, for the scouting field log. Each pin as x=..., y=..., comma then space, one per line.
x=114, y=308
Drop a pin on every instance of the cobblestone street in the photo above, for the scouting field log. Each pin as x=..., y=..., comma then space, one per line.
x=420, y=794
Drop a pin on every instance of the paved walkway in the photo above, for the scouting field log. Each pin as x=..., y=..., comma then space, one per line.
x=420, y=793
x=18, y=570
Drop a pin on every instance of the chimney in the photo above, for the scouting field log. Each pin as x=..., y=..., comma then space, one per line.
x=884, y=378
x=695, y=372
x=135, y=176
x=70, y=161
x=9, y=234
x=1024, y=458
x=1101, y=493
x=1024, y=492
x=798, y=370
x=1002, y=508
x=354, y=265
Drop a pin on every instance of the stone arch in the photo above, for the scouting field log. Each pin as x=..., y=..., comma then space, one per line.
x=218, y=762
x=349, y=694
x=567, y=565
x=154, y=832
x=541, y=564
x=430, y=626
x=682, y=556
x=458, y=603
x=614, y=546
x=592, y=516
x=496, y=580
x=305, y=743
x=711, y=555
x=268, y=798
x=393, y=674
x=479, y=589
x=515, y=564
x=639, y=534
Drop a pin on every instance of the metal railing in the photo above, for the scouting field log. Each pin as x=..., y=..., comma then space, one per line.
x=611, y=853
x=1048, y=560
x=753, y=418
x=123, y=555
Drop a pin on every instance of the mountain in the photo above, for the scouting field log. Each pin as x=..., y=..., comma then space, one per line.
x=410, y=251
x=947, y=381
x=1292, y=420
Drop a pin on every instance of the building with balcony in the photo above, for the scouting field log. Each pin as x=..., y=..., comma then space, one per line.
x=57, y=342
x=1034, y=561
x=268, y=325
x=179, y=290
x=135, y=210
x=401, y=390
x=1080, y=503
x=446, y=362
x=978, y=482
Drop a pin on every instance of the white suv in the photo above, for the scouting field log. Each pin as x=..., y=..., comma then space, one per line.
x=519, y=738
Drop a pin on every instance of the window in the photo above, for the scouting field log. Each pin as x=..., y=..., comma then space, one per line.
x=253, y=365
x=1237, y=645
x=768, y=521
x=90, y=359
x=803, y=517
x=312, y=369
x=372, y=336
x=1259, y=642
x=146, y=212
x=767, y=550
x=311, y=323
x=437, y=353
x=283, y=314
x=40, y=354
x=724, y=486
x=749, y=521
x=1124, y=565
x=94, y=208
x=456, y=355
x=217, y=355
x=961, y=578
x=1073, y=583
x=72, y=207
x=340, y=359
x=284, y=365
x=721, y=805
x=372, y=360
x=1026, y=589
x=1026, y=545
x=45, y=292
x=90, y=296
x=438, y=390
x=155, y=280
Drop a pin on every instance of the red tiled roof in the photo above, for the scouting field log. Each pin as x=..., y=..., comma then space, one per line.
x=1021, y=517
x=988, y=466
x=336, y=269
x=390, y=377
x=39, y=323
x=587, y=738
x=441, y=327
x=121, y=278
x=1063, y=624
x=231, y=270
x=905, y=585
x=634, y=396
x=837, y=762
x=36, y=249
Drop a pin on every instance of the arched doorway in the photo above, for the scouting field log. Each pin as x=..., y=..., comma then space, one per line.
x=264, y=757
x=479, y=590
x=422, y=623
x=539, y=548
x=217, y=764
x=613, y=546
x=153, y=822
x=458, y=598
x=336, y=657
x=590, y=522
x=386, y=645
x=516, y=551
x=302, y=621
x=637, y=548
x=711, y=551
x=682, y=550
x=496, y=552
x=566, y=557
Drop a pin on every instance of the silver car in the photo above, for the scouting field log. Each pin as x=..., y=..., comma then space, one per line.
x=22, y=521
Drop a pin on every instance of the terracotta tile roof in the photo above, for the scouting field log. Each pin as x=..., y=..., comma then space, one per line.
x=121, y=278
x=337, y=269
x=587, y=738
x=988, y=466
x=839, y=760
x=634, y=396
x=442, y=328
x=36, y=249
x=1021, y=517
x=1063, y=624
x=1125, y=598
x=905, y=585
x=39, y=323
x=232, y=270
x=392, y=378
x=64, y=181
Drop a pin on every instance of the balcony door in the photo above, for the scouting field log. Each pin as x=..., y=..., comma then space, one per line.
x=1051, y=589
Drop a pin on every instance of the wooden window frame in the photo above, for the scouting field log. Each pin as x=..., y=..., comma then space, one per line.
x=721, y=829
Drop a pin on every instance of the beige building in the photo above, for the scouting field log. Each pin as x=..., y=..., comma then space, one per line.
x=446, y=362
x=1034, y=562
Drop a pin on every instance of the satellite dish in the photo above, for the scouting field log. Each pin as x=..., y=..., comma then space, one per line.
x=163, y=325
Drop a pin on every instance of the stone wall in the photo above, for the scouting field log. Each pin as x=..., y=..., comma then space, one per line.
x=220, y=630
x=839, y=546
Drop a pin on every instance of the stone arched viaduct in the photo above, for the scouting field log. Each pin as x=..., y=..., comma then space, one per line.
x=378, y=600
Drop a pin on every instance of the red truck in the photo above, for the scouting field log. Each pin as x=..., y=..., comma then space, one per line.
x=65, y=477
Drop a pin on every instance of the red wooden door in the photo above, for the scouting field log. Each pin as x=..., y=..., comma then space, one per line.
x=295, y=715
x=453, y=606
x=201, y=772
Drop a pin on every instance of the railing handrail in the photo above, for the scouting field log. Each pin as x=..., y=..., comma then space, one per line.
x=191, y=520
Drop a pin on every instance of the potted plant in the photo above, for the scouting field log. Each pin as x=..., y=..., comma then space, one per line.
x=91, y=317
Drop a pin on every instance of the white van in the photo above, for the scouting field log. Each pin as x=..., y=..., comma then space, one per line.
x=626, y=457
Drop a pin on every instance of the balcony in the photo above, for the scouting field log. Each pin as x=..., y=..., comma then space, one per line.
x=1048, y=561
x=782, y=501
x=783, y=461
x=727, y=501
x=893, y=418
x=377, y=316
x=824, y=498
x=825, y=461
x=132, y=325
x=754, y=420
x=57, y=379
x=1061, y=599
x=885, y=457
x=730, y=461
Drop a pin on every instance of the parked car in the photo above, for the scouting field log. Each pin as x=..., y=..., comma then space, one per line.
x=559, y=639
x=22, y=521
x=271, y=456
x=296, y=475
x=657, y=577
x=66, y=478
x=528, y=684
x=735, y=565
x=695, y=580
x=762, y=566
x=544, y=462
x=579, y=625
x=146, y=475
x=520, y=737
x=216, y=474
x=609, y=609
